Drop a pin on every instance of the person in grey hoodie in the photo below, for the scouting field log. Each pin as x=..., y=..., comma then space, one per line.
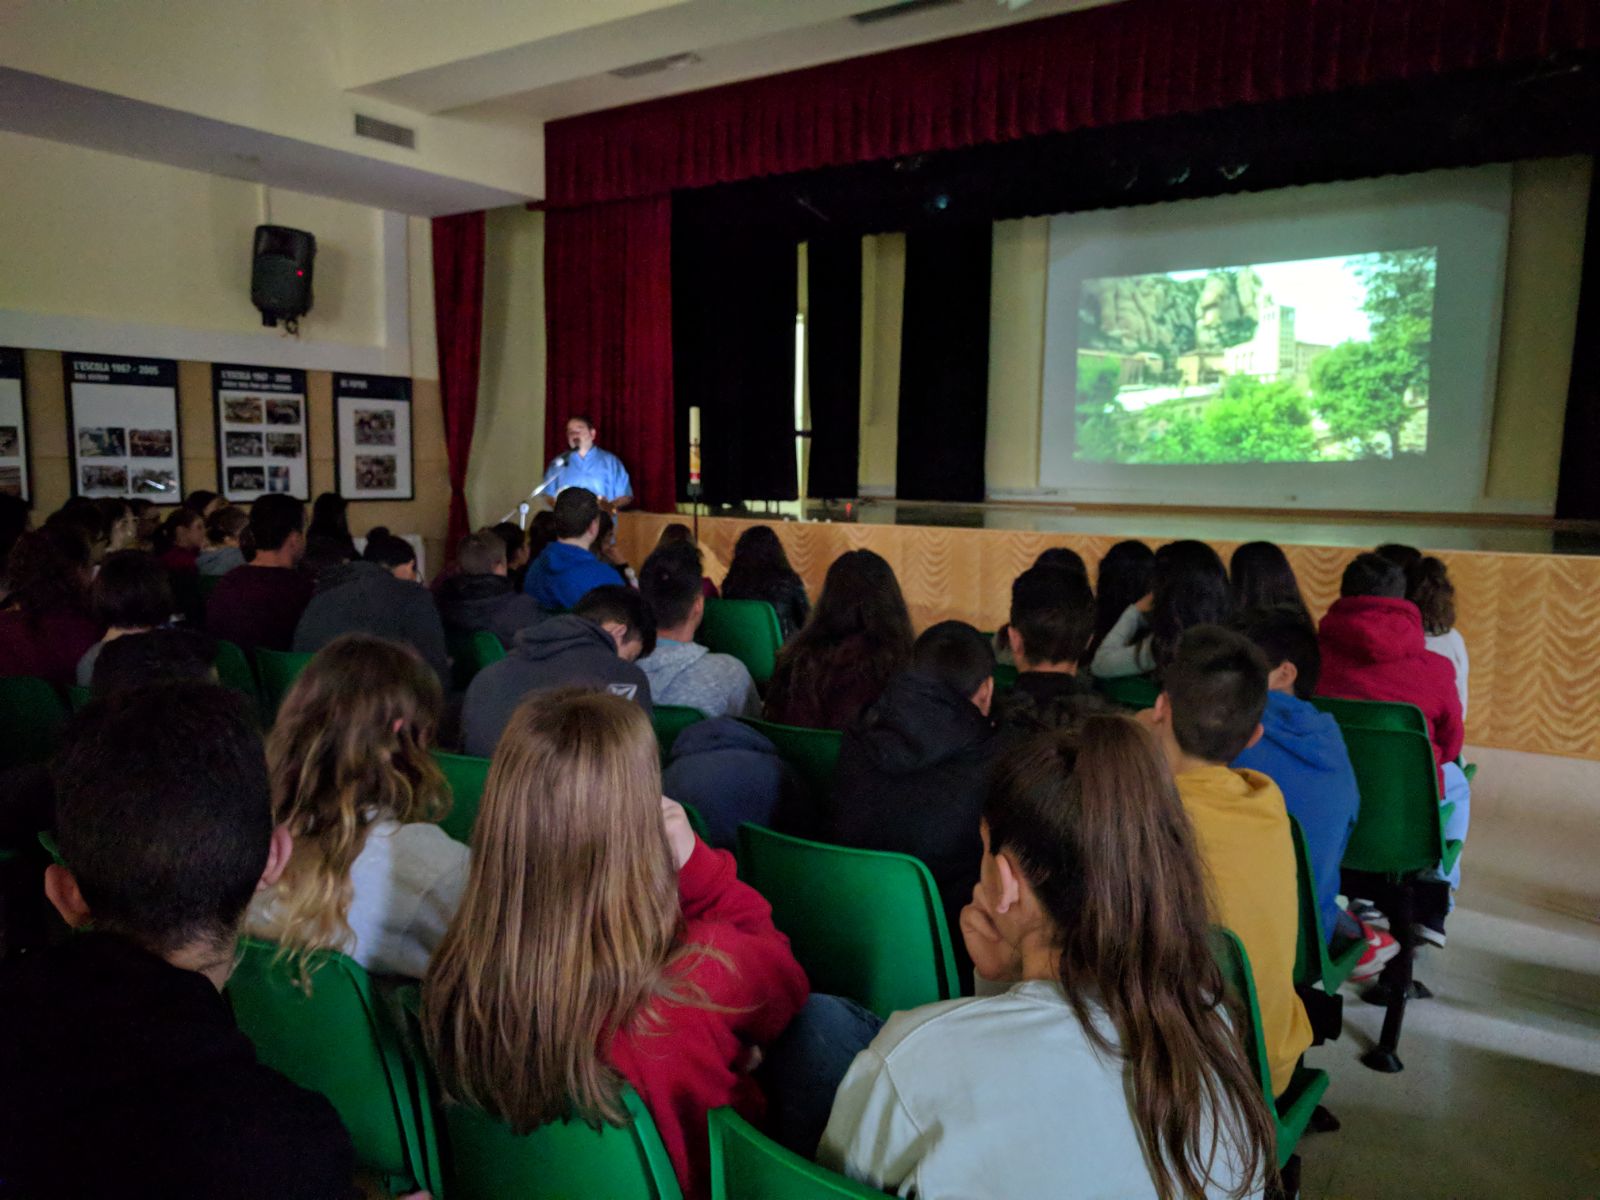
x=680, y=671
x=480, y=596
x=593, y=646
x=377, y=594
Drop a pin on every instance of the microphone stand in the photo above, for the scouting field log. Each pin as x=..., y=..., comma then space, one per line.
x=522, y=510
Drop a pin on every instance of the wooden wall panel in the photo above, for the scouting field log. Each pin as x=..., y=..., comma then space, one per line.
x=1531, y=621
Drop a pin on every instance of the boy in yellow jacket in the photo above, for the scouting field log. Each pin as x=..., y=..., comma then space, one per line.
x=1214, y=693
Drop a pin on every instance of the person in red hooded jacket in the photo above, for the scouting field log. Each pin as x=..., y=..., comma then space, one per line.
x=1372, y=649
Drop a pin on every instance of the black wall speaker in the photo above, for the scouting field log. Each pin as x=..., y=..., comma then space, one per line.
x=280, y=274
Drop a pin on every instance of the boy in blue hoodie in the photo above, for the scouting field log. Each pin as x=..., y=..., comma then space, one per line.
x=567, y=570
x=1302, y=751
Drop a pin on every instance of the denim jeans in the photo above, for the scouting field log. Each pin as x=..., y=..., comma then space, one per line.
x=802, y=1070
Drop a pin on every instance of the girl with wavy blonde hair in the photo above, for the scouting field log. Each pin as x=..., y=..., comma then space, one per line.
x=372, y=874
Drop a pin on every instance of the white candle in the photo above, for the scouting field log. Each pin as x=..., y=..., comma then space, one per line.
x=694, y=425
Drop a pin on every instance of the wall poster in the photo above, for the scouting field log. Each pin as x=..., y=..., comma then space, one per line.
x=262, y=432
x=372, y=421
x=14, y=475
x=122, y=423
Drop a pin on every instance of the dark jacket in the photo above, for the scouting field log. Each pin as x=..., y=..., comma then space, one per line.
x=912, y=777
x=1047, y=700
x=562, y=575
x=472, y=602
x=560, y=651
x=729, y=773
x=786, y=594
x=363, y=597
x=258, y=606
x=126, y=1076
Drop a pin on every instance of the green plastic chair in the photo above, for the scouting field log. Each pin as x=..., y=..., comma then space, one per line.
x=1293, y=1109
x=78, y=697
x=31, y=719
x=233, y=667
x=339, y=1041
x=866, y=924
x=1132, y=691
x=471, y=653
x=1314, y=964
x=279, y=669
x=670, y=720
x=1005, y=677
x=1374, y=714
x=746, y=629
x=466, y=776
x=813, y=753
x=748, y=1165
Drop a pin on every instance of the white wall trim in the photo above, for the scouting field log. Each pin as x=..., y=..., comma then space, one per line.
x=396, y=253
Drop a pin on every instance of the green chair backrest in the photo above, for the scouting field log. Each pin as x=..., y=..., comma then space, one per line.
x=339, y=1042
x=1312, y=962
x=471, y=653
x=1005, y=677
x=814, y=753
x=78, y=697
x=1134, y=691
x=31, y=719
x=466, y=776
x=562, y=1160
x=1374, y=714
x=279, y=669
x=670, y=720
x=1400, y=829
x=233, y=668
x=746, y=629
x=748, y=1165
x=866, y=924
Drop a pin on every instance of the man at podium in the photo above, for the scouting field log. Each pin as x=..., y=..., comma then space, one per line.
x=586, y=465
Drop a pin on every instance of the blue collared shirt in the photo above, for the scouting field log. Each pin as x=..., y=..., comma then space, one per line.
x=600, y=471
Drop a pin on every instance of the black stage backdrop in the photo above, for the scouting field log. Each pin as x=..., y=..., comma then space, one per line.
x=833, y=364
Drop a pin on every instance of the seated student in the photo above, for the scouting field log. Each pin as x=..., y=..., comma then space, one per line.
x=1208, y=713
x=913, y=769
x=1428, y=586
x=517, y=546
x=328, y=539
x=1109, y=1064
x=605, y=549
x=179, y=541
x=679, y=534
x=760, y=570
x=680, y=671
x=595, y=646
x=1058, y=558
x=1261, y=577
x=480, y=596
x=164, y=822
x=730, y=773
x=1122, y=578
x=669, y=977
x=203, y=503
x=372, y=875
x=121, y=523
x=130, y=595
x=260, y=603
x=1302, y=751
x=1373, y=648
x=859, y=637
x=45, y=624
x=1051, y=620
x=380, y=594
x=222, y=551
x=166, y=655
x=1188, y=587
x=567, y=570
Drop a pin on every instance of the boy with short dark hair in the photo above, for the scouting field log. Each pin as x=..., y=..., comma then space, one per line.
x=1208, y=713
x=567, y=569
x=1051, y=622
x=260, y=603
x=128, y=1075
x=480, y=595
x=682, y=672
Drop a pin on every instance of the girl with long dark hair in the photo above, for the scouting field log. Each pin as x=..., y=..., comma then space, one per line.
x=760, y=570
x=1188, y=587
x=1261, y=577
x=1122, y=579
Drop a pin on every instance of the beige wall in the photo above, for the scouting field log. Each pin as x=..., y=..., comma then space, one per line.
x=883, y=287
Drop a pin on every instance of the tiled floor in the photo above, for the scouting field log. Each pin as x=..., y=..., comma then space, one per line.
x=1500, y=1097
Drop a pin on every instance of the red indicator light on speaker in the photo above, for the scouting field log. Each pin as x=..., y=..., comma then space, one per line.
x=299, y=272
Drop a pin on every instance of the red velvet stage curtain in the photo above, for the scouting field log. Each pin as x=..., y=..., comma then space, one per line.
x=1131, y=61
x=458, y=322
x=608, y=310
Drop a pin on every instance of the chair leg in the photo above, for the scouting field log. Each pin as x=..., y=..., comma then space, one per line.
x=1394, y=986
x=1288, y=1181
x=1323, y=1121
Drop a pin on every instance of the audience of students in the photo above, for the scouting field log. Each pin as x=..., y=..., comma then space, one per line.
x=760, y=570
x=259, y=604
x=131, y=594
x=669, y=977
x=45, y=623
x=125, y=1071
x=1188, y=587
x=1051, y=620
x=480, y=595
x=1214, y=692
x=1123, y=578
x=567, y=570
x=681, y=671
x=1109, y=1066
x=858, y=637
x=379, y=594
x=353, y=783
x=1261, y=577
x=224, y=548
x=596, y=645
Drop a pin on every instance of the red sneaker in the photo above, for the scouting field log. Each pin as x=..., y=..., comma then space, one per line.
x=1381, y=947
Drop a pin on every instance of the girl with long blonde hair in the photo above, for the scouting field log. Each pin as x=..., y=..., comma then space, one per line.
x=599, y=942
x=372, y=874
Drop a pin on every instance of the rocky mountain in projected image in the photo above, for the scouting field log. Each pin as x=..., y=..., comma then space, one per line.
x=1317, y=360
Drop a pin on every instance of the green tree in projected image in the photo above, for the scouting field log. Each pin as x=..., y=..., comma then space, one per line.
x=1320, y=360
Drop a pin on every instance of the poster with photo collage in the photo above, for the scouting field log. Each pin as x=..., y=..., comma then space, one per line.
x=372, y=418
x=262, y=432
x=122, y=418
x=14, y=479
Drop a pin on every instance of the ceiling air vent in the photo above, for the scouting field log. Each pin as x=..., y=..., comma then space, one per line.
x=672, y=62
x=383, y=131
x=891, y=12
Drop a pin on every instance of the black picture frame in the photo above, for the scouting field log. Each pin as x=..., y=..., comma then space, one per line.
x=13, y=365
x=138, y=371
x=286, y=381
x=349, y=388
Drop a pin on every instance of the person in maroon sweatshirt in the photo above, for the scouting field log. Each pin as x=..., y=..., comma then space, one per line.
x=601, y=944
x=1372, y=649
x=259, y=603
